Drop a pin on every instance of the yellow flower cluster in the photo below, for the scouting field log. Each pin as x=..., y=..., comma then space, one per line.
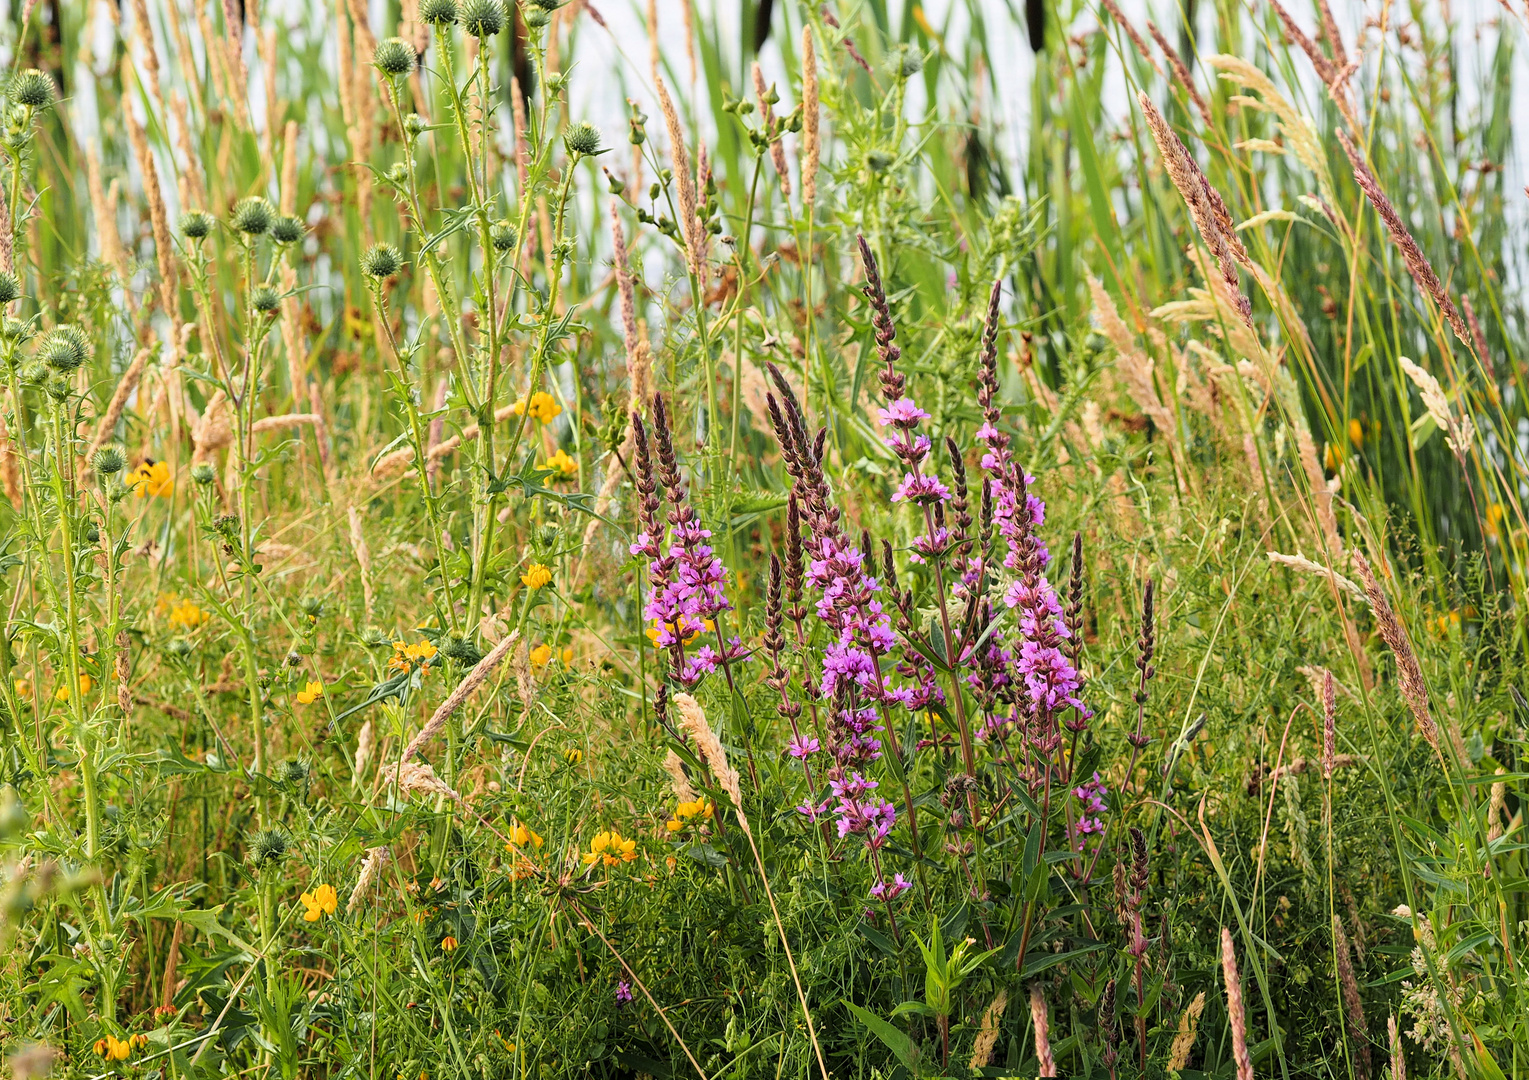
x=561, y=463
x=541, y=656
x=152, y=478
x=521, y=838
x=320, y=902
x=310, y=693
x=685, y=811
x=611, y=849
x=181, y=613
x=86, y=684
x=114, y=1049
x=652, y=632
x=544, y=407
x=536, y=576
x=408, y=657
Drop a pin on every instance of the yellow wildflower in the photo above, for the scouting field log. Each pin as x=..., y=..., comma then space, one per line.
x=62, y=694
x=310, y=693
x=448, y=944
x=611, y=849
x=187, y=615
x=690, y=635
x=407, y=657
x=320, y=902
x=566, y=655
x=1356, y=434
x=536, y=576
x=574, y=756
x=544, y=407
x=541, y=654
x=152, y=478
x=560, y=462
x=23, y=688
x=520, y=836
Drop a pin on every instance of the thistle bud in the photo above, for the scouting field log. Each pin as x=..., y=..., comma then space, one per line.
x=253, y=216
x=294, y=772
x=203, y=473
x=268, y=846
x=414, y=125
x=394, y=57
x=108, y=461
x=65, y=349
x=266, y=299
x=195, y=225
x=582, y=138
x=483, y=18
x=33, y=89
x=10, y=287
x=287, y=230
x=438, y=12
x=502, y=235
x=381, y=261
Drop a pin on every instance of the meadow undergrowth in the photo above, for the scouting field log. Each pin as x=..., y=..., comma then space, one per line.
x=789, y=588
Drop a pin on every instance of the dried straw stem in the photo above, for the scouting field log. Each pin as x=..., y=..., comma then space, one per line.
x=684, y=179
x=1131, y=32
x=470, y=682
x=1234, y=1009
x=1184, y=1039
x=1180, y=72
x=125, y=388
x=1417, y=263
x=812, y=146
x=693, y=720
x=159, y=218
x=1409, y=673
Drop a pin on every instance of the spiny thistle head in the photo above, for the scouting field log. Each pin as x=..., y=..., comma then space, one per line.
x=502, y=235
x=381, y=261
x=10, y=287
x=65, y=349
x=253, y=216
x=14, y=329
x=108, y=461
x=582, y=138
x=266, y=299
x=203, y=473
x=438, y=12
x=32, y=88
x=394, y=57
x=196, y=225
x=294, y=772
x=267, y=846
x=287, y=230
x=483, y=18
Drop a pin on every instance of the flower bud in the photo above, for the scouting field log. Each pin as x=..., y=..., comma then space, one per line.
x=394, y=57
x=195, y=225
x=32, y=88
x=266, y=299
x=203, y=473
x=10, y=287
x=65, y=349
x=438, y=12
x=108, y=461
x=268, y=846
x=287, y=230
x=582, y=138
x=414, y=125
x=253, y=216
x=483, y=18
x=536, y=18
x=502, y=235
x=381, y=261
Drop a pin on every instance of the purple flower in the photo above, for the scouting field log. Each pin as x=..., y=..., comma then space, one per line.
x=891, y=890
x=801, y=747
x=623, y=994
x=1090, y=796
x=811, y=810
x=902, y=413
x=921, y=489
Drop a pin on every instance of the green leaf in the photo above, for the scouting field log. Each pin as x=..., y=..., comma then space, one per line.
x=902, y=1047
